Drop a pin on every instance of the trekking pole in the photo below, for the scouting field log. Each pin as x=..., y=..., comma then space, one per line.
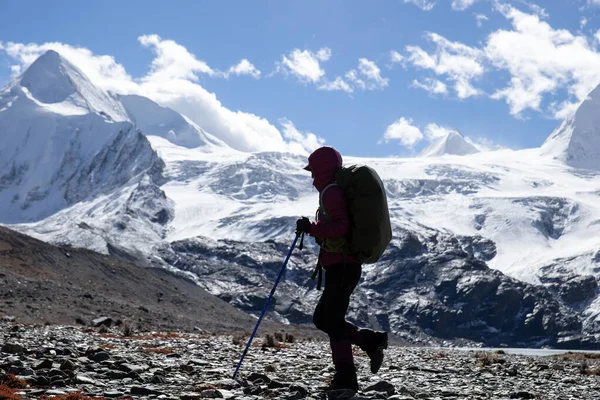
x=266, y=305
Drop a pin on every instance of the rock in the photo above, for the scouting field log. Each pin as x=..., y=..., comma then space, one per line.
x=276, y=385
x=105, y=321
x=255, y=376
x=12, y=348
x=56, y=372
x=81, y=378
x=100, y=356
x=144, y=391
x=116, y=374
x=39, y=381
x=295, y=396
x=80, y=321
x=382, y=386
x=113, y=393
x=522, y=395
x=7, y=318
x=253, y=390
x=134, y=368
x=56, y=392
x=43, y=364
x=299, y=388
x=211, y=394
x=68, y=365
x=190, y=396
x=158, y=379
x=579, y=289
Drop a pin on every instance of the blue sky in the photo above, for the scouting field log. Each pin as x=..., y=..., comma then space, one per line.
x=373, y=78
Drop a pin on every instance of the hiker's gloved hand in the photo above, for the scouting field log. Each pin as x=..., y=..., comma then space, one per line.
x=303, y=225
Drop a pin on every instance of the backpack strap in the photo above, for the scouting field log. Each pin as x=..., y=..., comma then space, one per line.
x=322, y=196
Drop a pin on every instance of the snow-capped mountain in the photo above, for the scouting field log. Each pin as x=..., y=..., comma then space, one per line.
x=155, y=120
x=63, y=140
x=526, y=214
x=452, y=144
x=576, y=141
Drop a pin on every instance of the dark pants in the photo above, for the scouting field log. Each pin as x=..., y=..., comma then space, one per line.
x=330, y=313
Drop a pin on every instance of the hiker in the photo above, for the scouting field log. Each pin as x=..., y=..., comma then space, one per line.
x=342, y=272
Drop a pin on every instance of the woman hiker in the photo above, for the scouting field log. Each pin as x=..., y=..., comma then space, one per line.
x=342, y=273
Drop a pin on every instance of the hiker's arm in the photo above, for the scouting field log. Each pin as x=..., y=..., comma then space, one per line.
x=339, y=225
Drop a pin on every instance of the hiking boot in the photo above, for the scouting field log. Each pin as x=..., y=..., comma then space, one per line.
x=344, y=378
x=378, y=343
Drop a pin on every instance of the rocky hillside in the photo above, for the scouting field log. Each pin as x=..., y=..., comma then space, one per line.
x=41, y=283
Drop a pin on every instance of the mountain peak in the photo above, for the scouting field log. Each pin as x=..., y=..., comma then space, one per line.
x=454, y=143
x=47, y=79
x=52, y=79
x=576, y=141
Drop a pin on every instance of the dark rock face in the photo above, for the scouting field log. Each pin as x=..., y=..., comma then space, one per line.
x=579, y=289
x=423, y=288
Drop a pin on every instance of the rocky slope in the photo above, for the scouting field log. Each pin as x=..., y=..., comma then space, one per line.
x=41, y=283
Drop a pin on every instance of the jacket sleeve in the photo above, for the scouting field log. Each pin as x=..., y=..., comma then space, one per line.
x=339, y=224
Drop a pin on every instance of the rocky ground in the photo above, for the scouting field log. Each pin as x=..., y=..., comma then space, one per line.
x=55, y=361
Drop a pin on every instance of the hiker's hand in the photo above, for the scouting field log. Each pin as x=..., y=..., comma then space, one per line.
x=303, y=225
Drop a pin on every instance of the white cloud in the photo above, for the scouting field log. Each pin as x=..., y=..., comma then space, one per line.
x=541, y=60
x=480, y=19
x=352, y=76
x=425, y=5
x=458, y=62
x=434, y=131
x=172, y=82
x=396, y=57
x=173, y=61
x=583, y=22
x=300, y=142
x=462, y=4
x=431, y=85
x=324, y=54
x=244, y=67
x=372, y=74
x=337, y=84
x=404, y=131
x=305, y=64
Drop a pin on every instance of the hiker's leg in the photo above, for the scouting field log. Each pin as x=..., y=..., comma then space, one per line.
x=340, y=281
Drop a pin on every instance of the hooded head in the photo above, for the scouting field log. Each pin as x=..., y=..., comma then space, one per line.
x=323, y=163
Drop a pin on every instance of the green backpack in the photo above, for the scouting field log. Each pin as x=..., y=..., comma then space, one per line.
x=371, y=229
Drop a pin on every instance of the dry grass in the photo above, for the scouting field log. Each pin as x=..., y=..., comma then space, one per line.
x=269, y=341
x=154, y=336
x=239, y=339
x=13, y=382
x=157, y=350
x=578, y=356
x=7, y=393
x=485, y=358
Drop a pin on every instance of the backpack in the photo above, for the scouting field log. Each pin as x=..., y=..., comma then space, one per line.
x=371, y=228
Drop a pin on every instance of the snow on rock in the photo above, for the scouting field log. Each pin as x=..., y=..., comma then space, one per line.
x=576, y=142
x=452, y=144
x=52, y=79
x=155, y=120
